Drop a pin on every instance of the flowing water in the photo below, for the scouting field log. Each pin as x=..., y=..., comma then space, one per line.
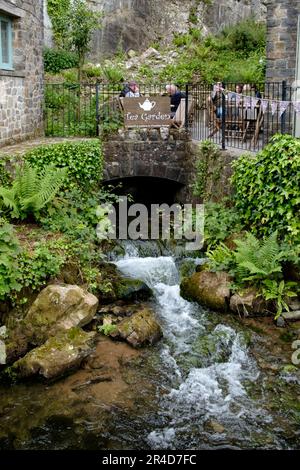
x=207, y=390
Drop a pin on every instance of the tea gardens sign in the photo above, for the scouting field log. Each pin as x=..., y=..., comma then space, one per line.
x=147, y=112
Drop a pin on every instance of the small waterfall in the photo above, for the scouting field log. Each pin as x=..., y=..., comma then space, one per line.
x=211, y=389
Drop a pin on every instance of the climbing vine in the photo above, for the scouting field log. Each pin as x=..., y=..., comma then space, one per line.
x=59, y=11
x=208, y=152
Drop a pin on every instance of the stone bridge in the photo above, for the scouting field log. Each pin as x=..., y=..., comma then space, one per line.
x=151, y=153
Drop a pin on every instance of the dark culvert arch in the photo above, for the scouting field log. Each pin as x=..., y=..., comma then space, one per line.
x=147, y=189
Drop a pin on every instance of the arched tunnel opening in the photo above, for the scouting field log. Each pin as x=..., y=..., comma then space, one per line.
x=146, y=190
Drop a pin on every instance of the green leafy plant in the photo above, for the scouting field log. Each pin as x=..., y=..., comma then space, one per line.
x=257, y=260
x=36, y=267
x=92, y=71
x=59, y=11
x=31, y=190
x=256, y=263
x=56, y=60
x=220, y=222
x=4, y=174
x=221, y=258
x=113, y=74
x=279, y=292
x=82, y=23
x=9, y=253
x=83, y=161
x=107, y=329
x=267, y=189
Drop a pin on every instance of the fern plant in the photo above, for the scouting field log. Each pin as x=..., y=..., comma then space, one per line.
x=31, y=191
x=256, y=259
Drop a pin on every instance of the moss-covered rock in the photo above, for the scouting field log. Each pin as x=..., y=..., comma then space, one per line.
x=207, y=288
x=58, y=308
x=132, y=289
x=114, y=286
x=140, y=329
x=60, y=354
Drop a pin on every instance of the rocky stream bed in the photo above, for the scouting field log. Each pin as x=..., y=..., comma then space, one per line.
x=212, y=381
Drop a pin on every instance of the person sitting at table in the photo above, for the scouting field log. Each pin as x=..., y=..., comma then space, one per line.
x=176, y=95
x=130, y=90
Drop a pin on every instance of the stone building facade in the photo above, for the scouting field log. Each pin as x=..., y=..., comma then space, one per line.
x=21, y=70
x=282, y=19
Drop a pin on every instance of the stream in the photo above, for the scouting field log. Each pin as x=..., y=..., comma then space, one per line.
x=200, y=387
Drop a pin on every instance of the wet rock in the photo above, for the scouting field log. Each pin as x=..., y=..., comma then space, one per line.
x=294, y=304
x=118, y=310
x=140, y=329
x=132, y=289
x=60, y=354
x=2, y=352
x=58, y=308
x=291, y=315
x=121, y=288
x=213, y=425
x=207, y=288
x=280, y=323
x=248, y=303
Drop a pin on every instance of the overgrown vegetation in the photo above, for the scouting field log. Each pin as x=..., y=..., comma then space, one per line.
x=31, y=190
x=82, y=159
x=263, y=221
x=237, y=54
x=56, y=60
x=256, y=262
x=267, y=189
x=73, y=24
x=59, y=185
x=9, y=252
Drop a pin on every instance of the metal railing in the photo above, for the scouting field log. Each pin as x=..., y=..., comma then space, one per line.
x=240, y=118
x=226, y=119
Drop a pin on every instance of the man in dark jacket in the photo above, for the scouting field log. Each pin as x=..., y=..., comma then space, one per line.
x=176, y=96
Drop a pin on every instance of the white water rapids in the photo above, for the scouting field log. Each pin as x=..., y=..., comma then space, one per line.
x=201, y=389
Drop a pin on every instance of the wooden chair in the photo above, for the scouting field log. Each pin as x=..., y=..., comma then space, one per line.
x=214, y=123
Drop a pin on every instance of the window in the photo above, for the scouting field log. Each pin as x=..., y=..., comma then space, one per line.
x=6, y=43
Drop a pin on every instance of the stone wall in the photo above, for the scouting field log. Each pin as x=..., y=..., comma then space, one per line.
x=157, y=153
x=21, y=89
x=282, y=39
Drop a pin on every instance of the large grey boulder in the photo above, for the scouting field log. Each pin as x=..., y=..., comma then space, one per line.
x=60, y=354
x=207, y=288
x=58, y=308
x=140, y=329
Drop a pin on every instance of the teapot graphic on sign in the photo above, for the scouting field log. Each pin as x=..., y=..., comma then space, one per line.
x=147, y=105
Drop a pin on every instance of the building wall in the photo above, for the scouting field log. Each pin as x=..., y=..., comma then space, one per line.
x=21, y=90
x=282, y=20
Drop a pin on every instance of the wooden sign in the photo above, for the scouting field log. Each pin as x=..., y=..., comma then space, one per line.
x=147, y=111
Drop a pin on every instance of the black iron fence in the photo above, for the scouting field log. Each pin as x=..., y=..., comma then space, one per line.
x=225, y=113
x=241, y=116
